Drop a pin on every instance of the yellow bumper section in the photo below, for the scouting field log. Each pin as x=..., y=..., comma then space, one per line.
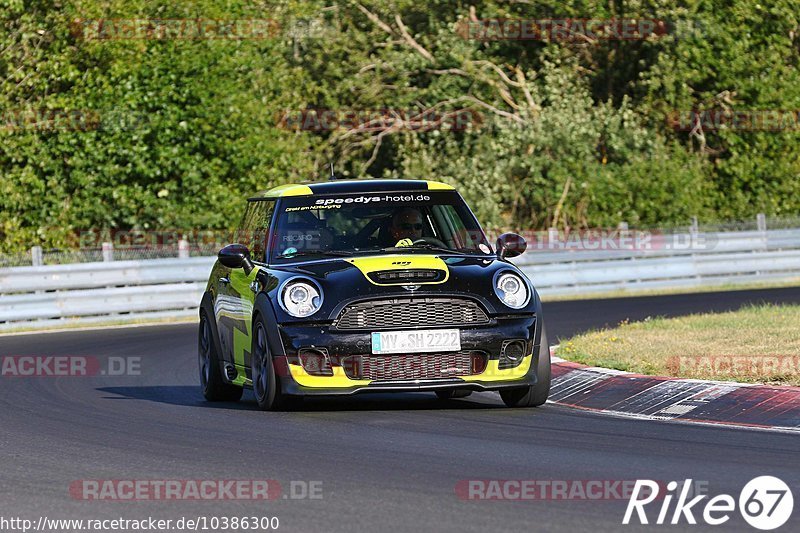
x=340, y=380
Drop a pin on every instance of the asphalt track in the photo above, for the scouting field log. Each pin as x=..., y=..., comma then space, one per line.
x=385, y=462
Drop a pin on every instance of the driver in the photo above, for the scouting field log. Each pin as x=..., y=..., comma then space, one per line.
x=406, y=224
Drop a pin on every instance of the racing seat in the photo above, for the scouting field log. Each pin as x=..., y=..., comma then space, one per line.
x=305, y=236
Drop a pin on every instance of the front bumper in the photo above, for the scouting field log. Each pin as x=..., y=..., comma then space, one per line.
x=489, y=339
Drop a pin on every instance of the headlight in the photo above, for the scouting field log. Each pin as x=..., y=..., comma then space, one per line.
x=301, y=298
x=511, y=290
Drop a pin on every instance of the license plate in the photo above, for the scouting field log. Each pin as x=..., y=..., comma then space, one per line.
x=418, y=341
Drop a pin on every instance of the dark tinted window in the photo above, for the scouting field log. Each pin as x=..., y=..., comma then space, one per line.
x=254, y=228
x=368, y=223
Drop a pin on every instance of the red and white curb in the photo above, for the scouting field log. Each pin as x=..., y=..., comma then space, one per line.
x=683, y=400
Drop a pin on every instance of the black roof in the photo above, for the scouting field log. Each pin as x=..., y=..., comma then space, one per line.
x=352, y=186
x=367, y=185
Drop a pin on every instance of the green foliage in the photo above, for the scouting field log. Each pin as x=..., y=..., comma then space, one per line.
x=179, y=132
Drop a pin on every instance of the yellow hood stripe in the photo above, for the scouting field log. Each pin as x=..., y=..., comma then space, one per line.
x=371, y=264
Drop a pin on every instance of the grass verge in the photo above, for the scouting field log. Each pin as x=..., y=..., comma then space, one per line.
x=633, y=292
x=756, y=344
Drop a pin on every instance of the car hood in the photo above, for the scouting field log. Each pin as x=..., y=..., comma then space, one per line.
x=353, y=278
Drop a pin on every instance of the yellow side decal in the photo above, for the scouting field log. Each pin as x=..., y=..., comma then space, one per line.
x=400, y=262
x=439, y=186
x=243, y=335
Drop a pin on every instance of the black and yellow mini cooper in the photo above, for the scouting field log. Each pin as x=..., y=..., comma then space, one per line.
x=358, y=286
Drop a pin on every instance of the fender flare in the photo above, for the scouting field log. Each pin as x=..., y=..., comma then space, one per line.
x=533, y=374
x=207, y=306
x=263, y=306
x=539, y=318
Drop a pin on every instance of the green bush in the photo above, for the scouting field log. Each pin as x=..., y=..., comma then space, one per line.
x=178, y=133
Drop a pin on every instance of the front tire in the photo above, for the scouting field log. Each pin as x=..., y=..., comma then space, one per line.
x=214, y=387
x=533, y=395
x=266, y=387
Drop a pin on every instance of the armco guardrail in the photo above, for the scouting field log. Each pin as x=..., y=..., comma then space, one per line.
x=675, y=261
x=577, y=277
x=44, y=296
x=663, y=245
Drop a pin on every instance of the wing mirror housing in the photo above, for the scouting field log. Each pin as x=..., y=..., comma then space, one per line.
x=510, y=245
x=236, y=256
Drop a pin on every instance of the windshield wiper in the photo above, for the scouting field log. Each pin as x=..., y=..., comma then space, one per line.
x=433, y=247
x=306, y=253
x=473, y=251
x=421, y=246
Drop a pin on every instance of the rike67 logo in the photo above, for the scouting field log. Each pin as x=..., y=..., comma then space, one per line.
x=765, y=503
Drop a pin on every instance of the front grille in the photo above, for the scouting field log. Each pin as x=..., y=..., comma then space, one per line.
x=419, y=275
x=414, y=366
x=411, y=312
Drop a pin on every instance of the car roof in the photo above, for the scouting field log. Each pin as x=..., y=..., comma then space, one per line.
x=352, y=186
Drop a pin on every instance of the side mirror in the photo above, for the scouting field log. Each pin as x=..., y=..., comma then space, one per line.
x=510, y=245
x=236, y=256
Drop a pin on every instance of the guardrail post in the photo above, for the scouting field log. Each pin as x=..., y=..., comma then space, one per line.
x=624, y=234
x=761, y=220
x=553, y=242
x=108, y=251
x=36, y=256
x=695, y=227
x=183, y=249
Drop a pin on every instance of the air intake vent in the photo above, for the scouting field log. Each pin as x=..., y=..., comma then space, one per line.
x=417, y=275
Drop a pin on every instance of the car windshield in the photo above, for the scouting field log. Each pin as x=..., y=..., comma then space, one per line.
x=351, y=224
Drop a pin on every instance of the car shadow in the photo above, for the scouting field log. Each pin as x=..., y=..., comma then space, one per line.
x=186, y=396
x=416, y=401
x=189, y=396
